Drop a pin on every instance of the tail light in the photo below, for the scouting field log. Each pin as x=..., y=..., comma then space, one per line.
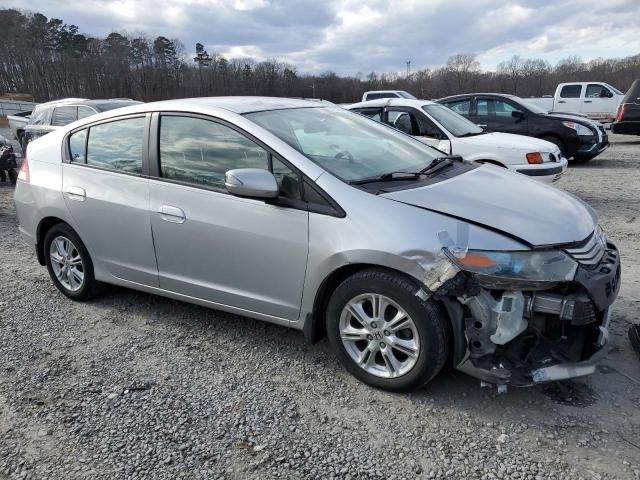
x=621, y=111
x=23, y=174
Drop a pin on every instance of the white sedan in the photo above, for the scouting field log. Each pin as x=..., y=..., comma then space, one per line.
x=442, y=128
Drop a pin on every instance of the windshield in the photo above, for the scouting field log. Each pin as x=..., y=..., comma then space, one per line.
x=614, y=89
x=456, y=124
x=404, y=94
x=529, y=105
x=103, y=107
x=347, y=144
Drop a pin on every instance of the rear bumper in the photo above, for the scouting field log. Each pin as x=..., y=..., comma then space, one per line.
x=626, y=128
x=547, y=172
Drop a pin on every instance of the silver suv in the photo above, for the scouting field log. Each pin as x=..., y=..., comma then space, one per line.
x=306, y=215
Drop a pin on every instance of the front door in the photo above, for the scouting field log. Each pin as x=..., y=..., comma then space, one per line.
x=418, y=125
x=499, y=115
x=241, y=252
x=598, y=102
x=108, y=198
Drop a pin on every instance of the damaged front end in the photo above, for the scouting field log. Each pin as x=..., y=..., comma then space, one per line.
x=534, y=316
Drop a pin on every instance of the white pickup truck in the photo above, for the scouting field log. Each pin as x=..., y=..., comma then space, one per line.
x=596, y=100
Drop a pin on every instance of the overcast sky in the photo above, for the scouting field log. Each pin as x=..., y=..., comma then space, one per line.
x=351, y=36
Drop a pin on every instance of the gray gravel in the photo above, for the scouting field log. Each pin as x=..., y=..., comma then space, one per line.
x=136, y=386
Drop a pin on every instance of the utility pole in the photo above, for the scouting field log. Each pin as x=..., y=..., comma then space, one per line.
x=408, y=67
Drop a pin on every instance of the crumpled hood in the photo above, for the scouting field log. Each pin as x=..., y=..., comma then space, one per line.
x=532, y=211
x=510, y=141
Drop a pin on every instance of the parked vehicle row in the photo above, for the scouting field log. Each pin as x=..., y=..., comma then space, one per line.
x=578, y=138
x=596, y=100
x=50, y=116
x=406, y=258
x=442, y=128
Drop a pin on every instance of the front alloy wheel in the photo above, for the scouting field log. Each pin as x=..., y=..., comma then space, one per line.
x=379, y=335
x=384, y=333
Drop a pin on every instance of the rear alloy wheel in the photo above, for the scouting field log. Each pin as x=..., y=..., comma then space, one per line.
x=383, y=333
x=68, y=263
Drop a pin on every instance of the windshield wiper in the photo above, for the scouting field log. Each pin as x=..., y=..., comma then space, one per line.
x=434, y=166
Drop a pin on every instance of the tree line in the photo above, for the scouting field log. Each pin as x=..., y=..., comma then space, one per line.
x=51, y=59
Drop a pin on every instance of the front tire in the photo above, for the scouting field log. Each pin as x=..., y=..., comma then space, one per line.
x=69, y=264
x=383, y=333
x=558, y=143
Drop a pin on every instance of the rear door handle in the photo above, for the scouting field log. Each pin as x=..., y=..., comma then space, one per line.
x=172, y=214
x=76, y=193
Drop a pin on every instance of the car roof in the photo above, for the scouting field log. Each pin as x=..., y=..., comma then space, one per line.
x=465, y=95
x=240, y=105
x=393, y=102
x=84, y=101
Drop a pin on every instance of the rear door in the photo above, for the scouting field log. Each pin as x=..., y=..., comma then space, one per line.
x=107, y=194
x=500, y=115
x=569, y=98
x=246, y=253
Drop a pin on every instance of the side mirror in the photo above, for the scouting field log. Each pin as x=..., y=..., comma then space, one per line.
x=518, y=114
x=251, y=182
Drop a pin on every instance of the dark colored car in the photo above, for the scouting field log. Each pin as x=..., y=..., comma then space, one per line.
x=52, y=115
x=628, y=118
x=578, y=138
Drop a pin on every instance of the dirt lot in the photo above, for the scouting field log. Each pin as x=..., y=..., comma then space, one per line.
x=137, y=386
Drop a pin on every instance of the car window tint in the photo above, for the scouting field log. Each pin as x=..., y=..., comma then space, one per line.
x=504, y=109
x=462, y=107
x=571, y=91
x=117, y=145
x=200, y=151
x=374, y=96
x=482, y=107
x=372, y=113
x=77, y=144
x=84, y=111
x=288, y=180
x=64, y=115
x=596, y=91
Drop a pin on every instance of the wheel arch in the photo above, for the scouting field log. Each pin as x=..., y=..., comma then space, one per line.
x=492, y=161
x=314, y=328
x=41, y=231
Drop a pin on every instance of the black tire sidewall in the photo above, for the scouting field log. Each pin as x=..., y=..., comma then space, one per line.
x=427, y=316
x=88, y=289
x=557, y=142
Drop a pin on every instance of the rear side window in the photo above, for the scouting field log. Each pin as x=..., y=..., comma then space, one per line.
x=200, y=152
x=374, y=96
x=117, y=145
x=39, y=117
x=64, y=115
x=461, y=106
x=77, y=146
x=571, y=91
x=372, y=113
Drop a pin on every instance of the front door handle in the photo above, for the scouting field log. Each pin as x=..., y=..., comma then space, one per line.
x=76, y=193
x=587, y=101
x=561, y=101
x=172, y=214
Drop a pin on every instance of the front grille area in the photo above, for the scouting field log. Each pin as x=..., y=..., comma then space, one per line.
x=590, y=252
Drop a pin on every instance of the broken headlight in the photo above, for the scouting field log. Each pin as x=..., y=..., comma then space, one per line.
x=531, y=266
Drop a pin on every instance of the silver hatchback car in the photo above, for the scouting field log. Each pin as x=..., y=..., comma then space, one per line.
x=303, y=214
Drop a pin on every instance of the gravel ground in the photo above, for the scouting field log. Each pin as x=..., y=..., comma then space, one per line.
x=137, y=386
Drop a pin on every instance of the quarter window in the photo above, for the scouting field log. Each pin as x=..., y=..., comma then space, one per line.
x=77, y=146
x=64, y=115
x=571, y=91
x=200, y=152
x=117, y=145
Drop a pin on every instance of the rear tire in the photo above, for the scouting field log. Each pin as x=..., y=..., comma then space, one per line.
x=383, y=333
x=69, y=263
x=13, y=175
